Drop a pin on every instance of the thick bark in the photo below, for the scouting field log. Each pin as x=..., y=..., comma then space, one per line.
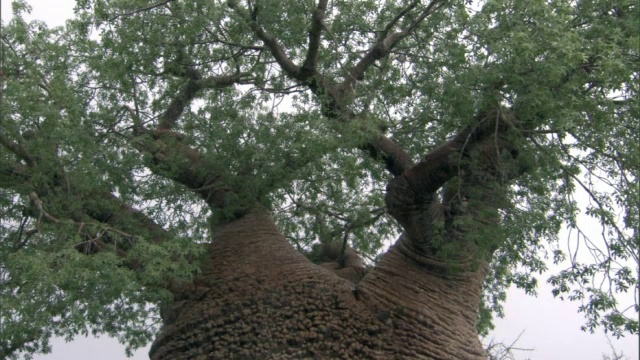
x=433, y=305
x=260, y=298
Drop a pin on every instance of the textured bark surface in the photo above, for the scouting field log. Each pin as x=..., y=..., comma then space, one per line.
x=433, y=309
x=261, y=299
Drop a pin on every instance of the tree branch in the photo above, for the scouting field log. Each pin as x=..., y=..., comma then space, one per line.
x=108, y=209
x=173, y=159
x=411, y=195
x=17, y=149
x=195, y=83
x=43, y=213
x=310, y=62
x=276, y=49
x=331, y=95
x=142, y=9
x=99, y=209
x=397, y=18
x=387, y=42
x=395, y=157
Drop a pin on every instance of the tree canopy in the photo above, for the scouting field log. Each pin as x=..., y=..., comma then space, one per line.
x=117, y=129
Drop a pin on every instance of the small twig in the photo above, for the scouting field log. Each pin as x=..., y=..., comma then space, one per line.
x=146, y=8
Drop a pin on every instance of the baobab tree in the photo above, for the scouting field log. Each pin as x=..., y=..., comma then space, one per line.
x=222, y=176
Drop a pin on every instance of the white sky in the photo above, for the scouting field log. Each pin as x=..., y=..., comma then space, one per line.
x=551, y=327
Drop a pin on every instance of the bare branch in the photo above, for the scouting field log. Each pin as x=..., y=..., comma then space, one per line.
x=593, y=197
x=502, y=351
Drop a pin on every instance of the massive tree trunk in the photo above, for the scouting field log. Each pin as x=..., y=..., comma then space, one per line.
x=181, y=105
x=260, y=298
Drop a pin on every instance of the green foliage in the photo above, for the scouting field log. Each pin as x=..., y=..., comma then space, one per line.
x=76, y=98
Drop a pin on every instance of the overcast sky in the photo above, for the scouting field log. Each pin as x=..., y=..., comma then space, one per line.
x=551, y=327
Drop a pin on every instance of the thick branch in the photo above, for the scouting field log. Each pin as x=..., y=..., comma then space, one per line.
x=395, y=157
x=103, y=210
x=411, y=195
x=332, y=96
x=321, y=86
x=170, y=156
x=17, y=149
x=108, y=209
x=183, y=98
x=310, y=62
x=173, y=159
x=35, y=200
x=439, y=165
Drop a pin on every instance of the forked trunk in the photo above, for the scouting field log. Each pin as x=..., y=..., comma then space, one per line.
x=259, y=298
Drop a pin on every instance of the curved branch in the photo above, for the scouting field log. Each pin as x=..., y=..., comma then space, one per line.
x=170, y=156
x=411, y=195
x=177, y=161
x=195, y=83
x=394, y=156
x=332, y=95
